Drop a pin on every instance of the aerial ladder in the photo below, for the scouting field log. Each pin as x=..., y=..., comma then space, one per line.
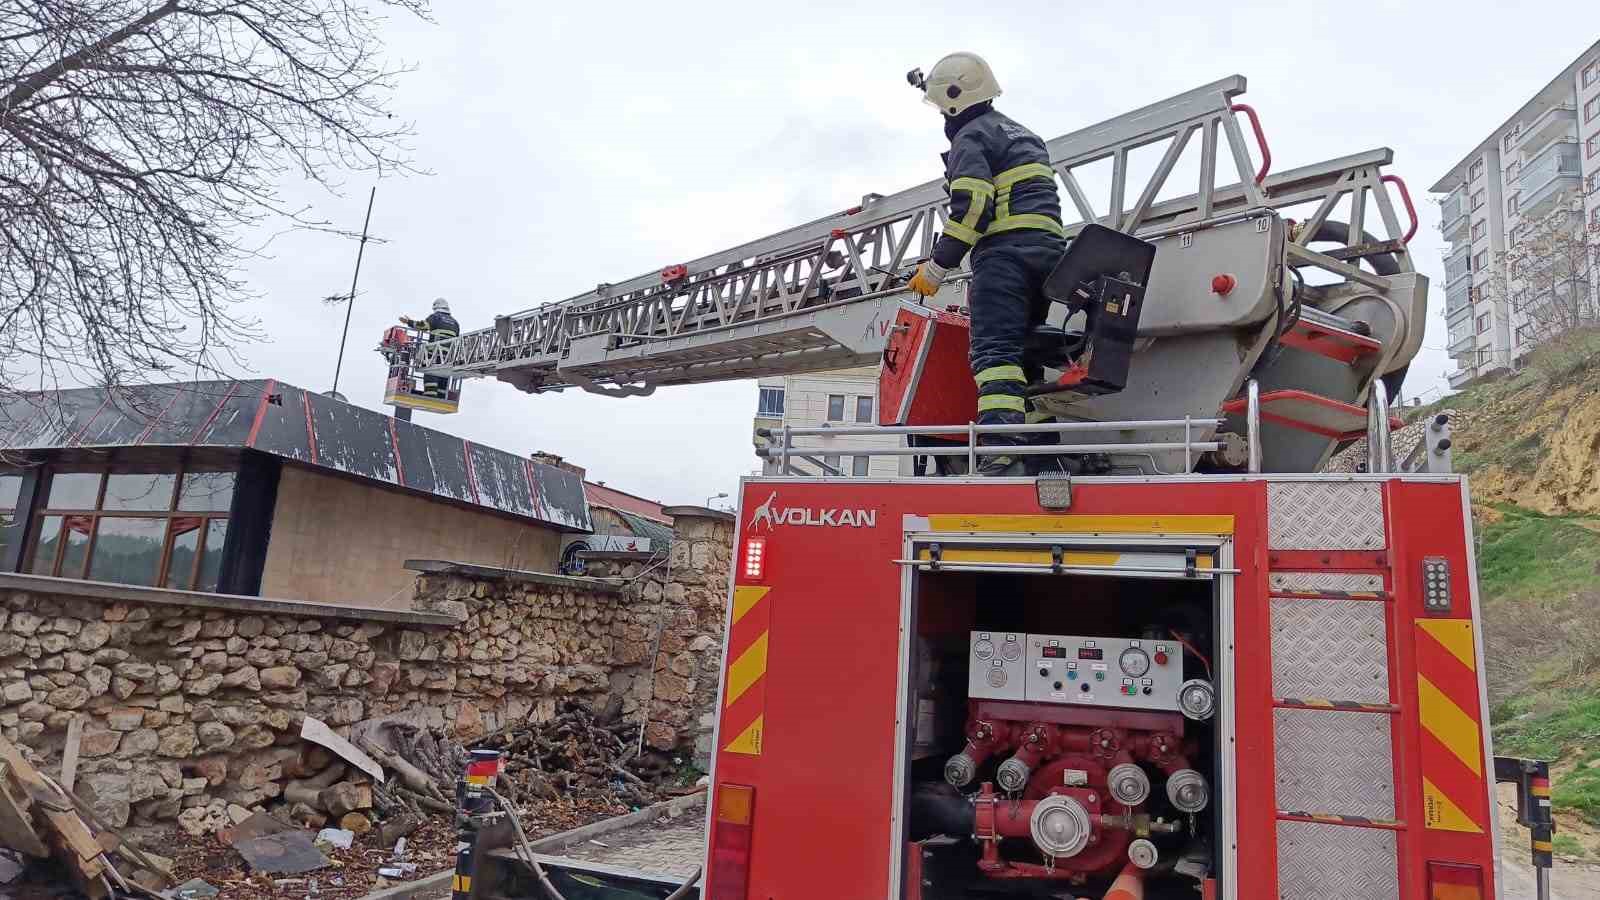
x=1271, y=277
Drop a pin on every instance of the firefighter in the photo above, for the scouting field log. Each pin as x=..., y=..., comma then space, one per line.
x=438, y=326
x=1004, y=210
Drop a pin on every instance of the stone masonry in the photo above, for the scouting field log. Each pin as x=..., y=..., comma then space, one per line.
x=191, y=712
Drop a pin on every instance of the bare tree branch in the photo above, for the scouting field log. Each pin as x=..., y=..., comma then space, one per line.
x=1547, y=276
x=140, y=140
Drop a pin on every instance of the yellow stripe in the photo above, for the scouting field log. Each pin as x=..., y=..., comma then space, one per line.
x=745, y=597
x=1022, y=556
x=1457, y=892
x=1086, y=524
x=1026, y=220
x=999, y=373
x=992, y=402
x=750, y=666
x=1440, y=814
x=1449, y=723
x=1539, y=791
x=1454, y=635
x=749, y=741
x=961, y=232
x=1543, y=846
x=975, y=186
x=461, y=883
x=1022, y=173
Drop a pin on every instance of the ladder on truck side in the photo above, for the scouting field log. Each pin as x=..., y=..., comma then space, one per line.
x=823, y=295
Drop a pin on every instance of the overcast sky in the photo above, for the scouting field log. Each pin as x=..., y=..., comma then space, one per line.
x=572, y=144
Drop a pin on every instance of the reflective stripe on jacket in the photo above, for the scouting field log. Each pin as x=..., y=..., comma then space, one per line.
x=999, y=179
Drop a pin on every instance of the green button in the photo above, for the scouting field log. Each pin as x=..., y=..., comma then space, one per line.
x=1099, y=676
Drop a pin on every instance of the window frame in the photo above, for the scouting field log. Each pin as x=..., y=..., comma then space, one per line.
x=860, y=466
x=1480, y=229
x=1591, y=109
x=872, y=408
x=1591, y=73
x=762, y=409
x=1591, y=146
x=1480, y=260
x=1476, y=200
x=1485, y=322
x=828, y=415
x=1475, y=171
x=171, y=515
x=1513, y=203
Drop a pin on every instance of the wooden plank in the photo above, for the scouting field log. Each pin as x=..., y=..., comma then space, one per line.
x=69, y=755
x=16, y=821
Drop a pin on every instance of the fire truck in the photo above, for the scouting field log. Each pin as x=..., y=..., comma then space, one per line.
x=1178, y=658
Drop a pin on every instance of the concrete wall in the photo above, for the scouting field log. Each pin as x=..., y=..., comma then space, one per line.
x=376, y=531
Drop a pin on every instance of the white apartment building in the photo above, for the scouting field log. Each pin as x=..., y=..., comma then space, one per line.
x=1545, y=155
x=844, y=398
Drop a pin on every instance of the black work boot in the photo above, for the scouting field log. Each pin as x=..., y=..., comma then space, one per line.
x=1002, y=467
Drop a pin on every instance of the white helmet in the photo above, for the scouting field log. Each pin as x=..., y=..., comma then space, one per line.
x=958, y=82
x=441, y=305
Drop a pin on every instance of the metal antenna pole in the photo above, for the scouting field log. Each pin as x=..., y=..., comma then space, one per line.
x=351, y=301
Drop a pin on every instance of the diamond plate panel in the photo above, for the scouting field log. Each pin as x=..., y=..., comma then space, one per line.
x=1322, y=862
x=1334, y=762
x=1312, y=582
x=1334, y=649
x=1317, y=515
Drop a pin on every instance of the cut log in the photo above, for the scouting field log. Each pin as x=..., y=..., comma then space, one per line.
x=355, y=822
x=345, y=797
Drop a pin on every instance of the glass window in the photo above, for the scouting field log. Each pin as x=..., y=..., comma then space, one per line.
x=859, y=464
x=1483, y=323
x=1591, y=147
x=127, y=491
x=211, y=557
x=831, y=464
x=864, y=409
x=128, y=550
x=44, y=554
x=1511, y=203
x=1481, y=261
x=1591, y=73
x=74, y=490
x=1479, y=229
x=79, y=529
x=1591, y=110
x=206, y=492
x=770, y=402
x=185, y=545
x=1477, y=200
x=835, y=407
x=10, y=490
x=1475, y=171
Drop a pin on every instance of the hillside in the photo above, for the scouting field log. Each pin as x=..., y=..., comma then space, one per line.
x=1530, y=444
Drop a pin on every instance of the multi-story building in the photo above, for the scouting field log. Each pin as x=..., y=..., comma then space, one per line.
x=847, y=397
x=1544, y=159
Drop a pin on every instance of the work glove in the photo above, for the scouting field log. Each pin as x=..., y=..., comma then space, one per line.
x=407, y=320
x=927, y=279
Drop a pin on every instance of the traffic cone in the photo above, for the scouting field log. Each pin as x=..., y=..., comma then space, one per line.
x=1129, y=885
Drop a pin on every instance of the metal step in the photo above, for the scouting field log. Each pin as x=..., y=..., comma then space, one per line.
x=1311, y=412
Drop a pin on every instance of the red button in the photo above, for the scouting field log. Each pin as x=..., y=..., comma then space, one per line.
x=1161, y=657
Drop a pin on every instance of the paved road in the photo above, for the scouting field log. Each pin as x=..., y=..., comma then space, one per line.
x=1568, y=881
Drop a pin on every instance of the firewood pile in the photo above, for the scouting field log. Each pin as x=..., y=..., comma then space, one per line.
x=574, y=754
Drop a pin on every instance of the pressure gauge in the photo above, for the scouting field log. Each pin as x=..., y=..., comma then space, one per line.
x=1134, y=662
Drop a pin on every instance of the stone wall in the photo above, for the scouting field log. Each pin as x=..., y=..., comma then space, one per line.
x=191, y=704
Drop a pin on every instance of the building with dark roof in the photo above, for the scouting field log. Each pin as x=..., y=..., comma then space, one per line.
x=263, y=488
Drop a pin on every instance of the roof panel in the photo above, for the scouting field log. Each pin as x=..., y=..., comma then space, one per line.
x=352, y=439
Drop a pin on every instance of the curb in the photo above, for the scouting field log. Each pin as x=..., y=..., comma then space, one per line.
x=440, y=881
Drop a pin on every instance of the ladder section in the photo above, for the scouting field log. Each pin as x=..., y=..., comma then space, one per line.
x=813, y=297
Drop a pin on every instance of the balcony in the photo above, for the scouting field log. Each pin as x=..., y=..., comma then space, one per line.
x=1457, y=266
x=1457, y=300
x=1555, y=171
x=1464, y=343
x=1553, y=124
x=1453, y=216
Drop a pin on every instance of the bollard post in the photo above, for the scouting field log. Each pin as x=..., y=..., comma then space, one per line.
x=473, y=804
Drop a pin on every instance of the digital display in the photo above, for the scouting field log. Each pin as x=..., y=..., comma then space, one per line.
x=1091, y=653
x=1054, y=652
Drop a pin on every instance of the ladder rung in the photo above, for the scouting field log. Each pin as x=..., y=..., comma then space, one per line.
x=1347, y=821
x=1322, y=703
x=1311, y=412
x=1379, y=596
x=1327, y=340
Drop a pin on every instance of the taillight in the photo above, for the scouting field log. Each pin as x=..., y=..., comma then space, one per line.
x=730, y=843
x=755, y=558
x=1454, y=881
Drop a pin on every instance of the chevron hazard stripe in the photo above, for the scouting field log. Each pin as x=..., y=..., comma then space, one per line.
x=1452, y=727
x=744, y=691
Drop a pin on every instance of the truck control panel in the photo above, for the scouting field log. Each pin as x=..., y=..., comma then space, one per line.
x=1130, y=673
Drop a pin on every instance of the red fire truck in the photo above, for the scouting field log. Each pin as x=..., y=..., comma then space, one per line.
x=1178, y=658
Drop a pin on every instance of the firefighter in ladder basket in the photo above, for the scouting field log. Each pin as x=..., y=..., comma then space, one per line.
x=439, y=326
x=1005, y=211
